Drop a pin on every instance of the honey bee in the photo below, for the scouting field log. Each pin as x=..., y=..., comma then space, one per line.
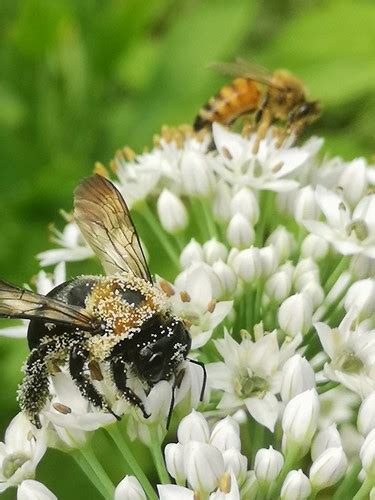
x=121, y=321
x=277, y=97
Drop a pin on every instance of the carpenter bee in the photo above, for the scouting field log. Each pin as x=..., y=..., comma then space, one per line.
x=120, y=321
x=271, y=97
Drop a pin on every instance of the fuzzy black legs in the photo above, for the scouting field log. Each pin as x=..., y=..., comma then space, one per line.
x=119, y=378
x=78, y=360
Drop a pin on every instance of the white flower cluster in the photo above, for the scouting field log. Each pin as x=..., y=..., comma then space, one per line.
x=271, y=264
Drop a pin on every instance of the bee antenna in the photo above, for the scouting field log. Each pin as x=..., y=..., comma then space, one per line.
x=204, y=383
x=171, y=406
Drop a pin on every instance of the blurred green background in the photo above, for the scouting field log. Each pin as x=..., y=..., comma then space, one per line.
x=81, y=78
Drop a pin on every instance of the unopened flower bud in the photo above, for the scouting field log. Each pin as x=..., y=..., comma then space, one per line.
x=362, y=266
x=361, y=296
x=247, y=264
x=278, y=286
x=366, y=415
x=227, y=278
x=328, y=468
x=196, y=175
x=300, y=420
x=226, y=434
x=297, y=377
x=193, y=427
x=174, y=460
x=193, y=252
x=296, y=486
x=213, y=251
x=270, y=259
x=34, y=490
x=240, y=233
x=235, y=462
x=314, y=247
x=204, y=466
x=129, y=489
x=305, y=206
x=244, y=202
x=327, y=438
x=283, y=241
x=316, y=293
x=268, y=464
x=305, y=272
x=221, y=202
x=172, y=212
x=353, y=181
x=367, y=453
x=295, y=314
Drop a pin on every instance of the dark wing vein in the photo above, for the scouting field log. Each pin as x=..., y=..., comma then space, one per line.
x=104, y=220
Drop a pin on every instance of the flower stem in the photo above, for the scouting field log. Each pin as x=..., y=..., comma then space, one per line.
x=289, y=463
x=348, y=483
x=85, y=467
x=211, y=226
x=98, y=471
x=326, y=387
x=157, y=456
x=155, y=227
x=334, y=276
x=126, y=452
x=364, y=490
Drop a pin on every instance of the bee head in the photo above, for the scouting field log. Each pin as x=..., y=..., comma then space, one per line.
x=159, y=359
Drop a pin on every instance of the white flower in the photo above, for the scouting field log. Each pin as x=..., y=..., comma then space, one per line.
x=226, y=435
x=361, y=296
x=297, y=377
x=296, y=486
x=268, y=464
x=328, y=468
x=248, y=264
x=172, y=212
x=315, y=247
x=269, y=258
x=236, y=463
x=171, y=492
x=352, y=354
x=244, y=202
x=174, y=460
x=129, y=489
x=366, y=415
x=295, y=314
x=193, y=252
x=204, y=466
x=353, y=181
x=74, y=248
x=246, y=379
x=327, y=438
x=279, y=284
x=34, y=490
x=349, y=232
x=197, y=179
x=283, y=241
x=362, y=266
x=227, y=278
x=269, y=168
x=194, y=302
x=305, y=206
x=240, y=232
x=367, y=453
x=221, y=202
x=193, y=427
x=214, y=251
x=300, y=420
x=22, y=450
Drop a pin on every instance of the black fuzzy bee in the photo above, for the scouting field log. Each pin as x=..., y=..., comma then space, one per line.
x=121, y=320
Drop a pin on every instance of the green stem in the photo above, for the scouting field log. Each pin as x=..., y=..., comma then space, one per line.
x=210, y=223
x=157, y=455
x=85, y=467
x=156, y=228
x=290, y=460
x=364, y=490
x=348, y=483
x=264, y=204
x=258, y=302
x=334, y=276
x=248, y=300
x=98, y=470
x=326, y=387
x=257, y=441
x=126, y=452
x=198, y=219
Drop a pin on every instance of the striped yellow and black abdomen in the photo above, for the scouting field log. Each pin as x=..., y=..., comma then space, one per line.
x=240, y=97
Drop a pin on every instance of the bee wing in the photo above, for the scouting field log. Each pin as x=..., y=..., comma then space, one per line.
x=19, y=303
x=104, y=220
x=240, y=67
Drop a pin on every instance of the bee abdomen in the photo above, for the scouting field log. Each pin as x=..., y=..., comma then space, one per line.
x=240, y=97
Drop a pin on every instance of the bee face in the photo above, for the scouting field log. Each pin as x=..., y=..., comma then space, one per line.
x=122, y=320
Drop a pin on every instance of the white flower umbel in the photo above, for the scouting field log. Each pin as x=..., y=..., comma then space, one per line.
x=270, y=257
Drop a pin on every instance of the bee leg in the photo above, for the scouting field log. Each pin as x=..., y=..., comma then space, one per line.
x=78, y=358
x=118, y=369
x=34, y=389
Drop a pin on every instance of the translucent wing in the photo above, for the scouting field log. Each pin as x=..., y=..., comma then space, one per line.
x=242, y=68
x=104, y=220
x=17, y=302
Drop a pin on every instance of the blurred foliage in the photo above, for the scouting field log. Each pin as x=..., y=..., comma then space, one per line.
x=81, y=78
